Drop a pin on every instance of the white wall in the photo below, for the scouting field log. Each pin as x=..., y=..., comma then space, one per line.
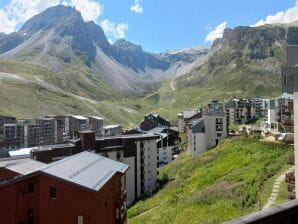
x=165, y=154
x=198, y=143
x=201, y=142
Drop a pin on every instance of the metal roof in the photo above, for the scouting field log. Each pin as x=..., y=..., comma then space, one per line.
x=156, y=130
x=79, y=117
x=189, y=114
x=22, y=152
x=97, y=117
x=26, y=167
x=9, y=161
x=112, y=126
x=85, y=169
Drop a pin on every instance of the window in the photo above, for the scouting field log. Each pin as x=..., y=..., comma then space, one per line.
x=31, y=188
x=31, y=216
x=53, y=193
x=218, y=135
x=219, y=120
x=80, y=219
x=219, y=128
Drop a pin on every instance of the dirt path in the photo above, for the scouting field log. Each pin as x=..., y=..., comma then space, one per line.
x=276, y=187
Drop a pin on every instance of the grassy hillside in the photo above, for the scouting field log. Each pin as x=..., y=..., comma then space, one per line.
x=33, y=91
x=224, y=183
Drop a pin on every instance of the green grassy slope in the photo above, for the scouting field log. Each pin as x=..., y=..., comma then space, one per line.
x=224, y=183
x=28, y=100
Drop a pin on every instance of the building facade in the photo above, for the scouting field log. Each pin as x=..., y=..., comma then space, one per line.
x=289, y=83
x=154, y=121
x=138, y=151
x=82, y=189
x=207, y=131
x=241, y=111
x=185, y=118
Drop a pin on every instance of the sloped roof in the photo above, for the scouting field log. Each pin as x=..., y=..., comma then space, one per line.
x=97, y=117
x=156, y=130
x=79, y=117
x=9, y=161
x=26, y=167
x=22, y=152
x=189, y=114
x=198, y=126
x=85, y=169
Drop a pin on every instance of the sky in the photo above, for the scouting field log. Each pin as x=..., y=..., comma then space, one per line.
x=160, y=25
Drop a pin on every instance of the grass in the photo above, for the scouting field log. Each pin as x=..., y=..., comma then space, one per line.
x=224, y=183
x=283, y=193
x=267, y=190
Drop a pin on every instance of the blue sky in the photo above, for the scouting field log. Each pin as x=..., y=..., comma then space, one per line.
x=159, y=25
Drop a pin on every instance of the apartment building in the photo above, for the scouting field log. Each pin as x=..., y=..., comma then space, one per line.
x=241, y=111
x=166, y=144
x=77, y=123
x=6, y=120
x=96, y=124
x=84, y=188
x=47, y=130
x=153, y=121
x=61, y=128
x=289, y=83
x=207, y=131
x=138, y=151
x=185, y=117
x=280, y=115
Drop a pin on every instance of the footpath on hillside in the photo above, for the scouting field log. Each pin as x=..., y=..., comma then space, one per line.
x=276, y=188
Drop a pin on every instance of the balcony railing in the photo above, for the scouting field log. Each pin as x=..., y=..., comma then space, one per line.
x=121, y=198
x=280, y=214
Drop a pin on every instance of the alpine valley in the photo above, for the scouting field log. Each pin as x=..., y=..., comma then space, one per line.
x=65, y=65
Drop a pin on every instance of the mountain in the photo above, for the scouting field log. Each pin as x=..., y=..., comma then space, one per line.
x=246, y=62
x=59, y=39
x=57, y=54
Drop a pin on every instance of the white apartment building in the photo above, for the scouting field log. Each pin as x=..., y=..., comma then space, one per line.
x=166, y=144
x=207, y=131
x=139, y=152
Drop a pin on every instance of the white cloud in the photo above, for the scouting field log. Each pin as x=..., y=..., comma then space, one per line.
x=7, y=26
x=112, y=30
x=216, y=33
x=89, y=9
x=18, y=11
x=137, y=8
x=288, y=16
x=22, y=10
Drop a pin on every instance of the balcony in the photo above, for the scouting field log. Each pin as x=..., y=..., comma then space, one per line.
x=122, y=219
x=121, y=198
